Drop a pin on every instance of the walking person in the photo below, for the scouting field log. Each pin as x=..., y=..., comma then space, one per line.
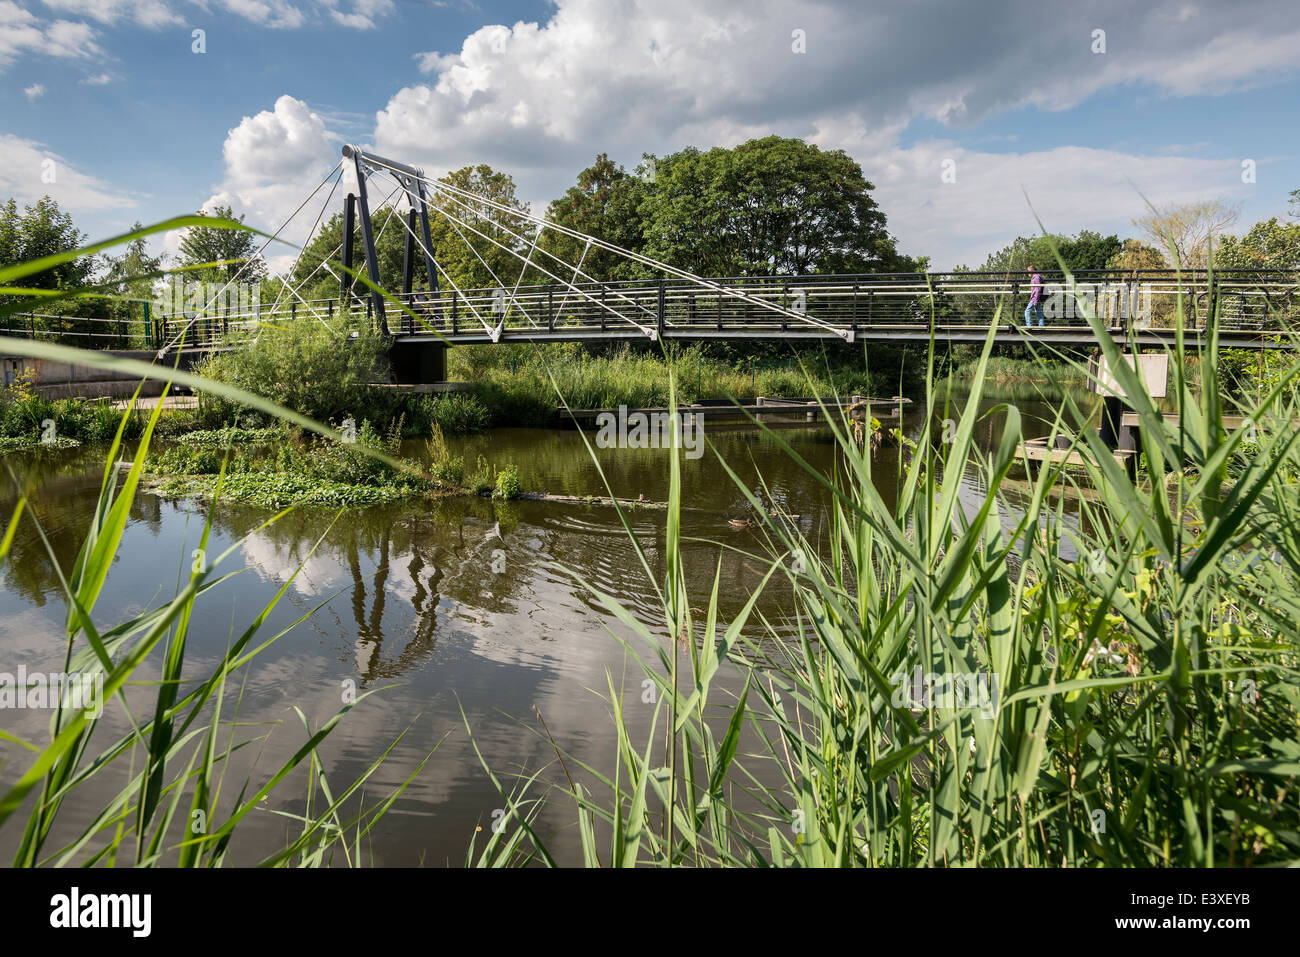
x=1035, y=297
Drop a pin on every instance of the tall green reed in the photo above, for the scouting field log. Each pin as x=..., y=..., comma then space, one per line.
x=1115, y=688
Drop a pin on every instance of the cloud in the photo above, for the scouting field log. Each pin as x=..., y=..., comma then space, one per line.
x=153, y=14
x=277, y=14
x=541, y=99
x=364, y=15
x=597, y=71
x=34, y=92
x=21, y=32
x=995, y=196
x=272, y=162
x=26, y=168
x=99, y=79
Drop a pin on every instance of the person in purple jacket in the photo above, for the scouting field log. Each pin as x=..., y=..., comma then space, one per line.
x=1035, y=297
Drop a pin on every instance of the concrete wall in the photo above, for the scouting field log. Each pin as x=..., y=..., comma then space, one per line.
x=58, y=380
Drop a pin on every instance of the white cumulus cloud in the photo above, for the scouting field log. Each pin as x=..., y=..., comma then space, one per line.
x=272, y=161
x=28, y=171
x=21, y=32
x=539, y=100
x=153, y=14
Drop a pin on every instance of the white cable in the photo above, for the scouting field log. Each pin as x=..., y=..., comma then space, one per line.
x=651, y=333
x=645, y=260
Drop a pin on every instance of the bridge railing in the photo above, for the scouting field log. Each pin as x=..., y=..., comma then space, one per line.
x=770, y=306
x=87, y=332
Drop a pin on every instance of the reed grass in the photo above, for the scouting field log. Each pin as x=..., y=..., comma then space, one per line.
x=518, y=383
x=1145, y=711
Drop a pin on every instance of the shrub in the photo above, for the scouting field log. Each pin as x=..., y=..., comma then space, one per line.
x=321, y=372
x=460, y=414
x=507, y=483
x=445, y=468
x=180, y=460
x=484, y=477
x=231, y=435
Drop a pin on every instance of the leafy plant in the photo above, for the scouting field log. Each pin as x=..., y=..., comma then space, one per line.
x=507, y=484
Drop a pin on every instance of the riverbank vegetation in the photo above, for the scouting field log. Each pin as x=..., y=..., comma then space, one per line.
x=518, y=383
x=281, y=468
x=1057, y=375
x=957, y=681
x=979, y=685
x=27, y=418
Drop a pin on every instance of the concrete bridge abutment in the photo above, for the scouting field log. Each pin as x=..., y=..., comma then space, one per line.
x=416, y=363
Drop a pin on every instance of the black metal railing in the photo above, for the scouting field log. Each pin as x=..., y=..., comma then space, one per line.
x=819, y=306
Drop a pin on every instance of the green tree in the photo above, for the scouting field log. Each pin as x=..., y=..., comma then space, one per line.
x=129, y=272
x=128, y=277
x=1087, y=250
x=213, y=244
x=481, y=245
x=1269, y=244
x=605, y=204
x=1135, y=254
x=43, y=229
x=456, y=248
x=769, y=206
x=314, y=281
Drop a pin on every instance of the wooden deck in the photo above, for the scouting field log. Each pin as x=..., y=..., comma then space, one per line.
x=1036, y=452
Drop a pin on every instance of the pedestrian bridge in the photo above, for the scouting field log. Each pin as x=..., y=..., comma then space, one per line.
x=546, y=298
x=1251, y=310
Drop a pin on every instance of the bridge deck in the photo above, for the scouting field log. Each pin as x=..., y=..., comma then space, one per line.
x=1252, y=309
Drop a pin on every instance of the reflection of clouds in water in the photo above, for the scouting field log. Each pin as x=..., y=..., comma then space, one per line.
x=401, y=583
x=32, y=638
x=320, y=574
x=418, y=612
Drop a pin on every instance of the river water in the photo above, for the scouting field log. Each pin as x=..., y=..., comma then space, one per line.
x=440, y=608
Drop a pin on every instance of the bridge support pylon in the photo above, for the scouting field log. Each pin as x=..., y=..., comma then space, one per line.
x=418, y=363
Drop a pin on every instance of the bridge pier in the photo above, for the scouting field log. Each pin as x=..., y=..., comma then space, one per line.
x=1119, y=429
x=417, y=363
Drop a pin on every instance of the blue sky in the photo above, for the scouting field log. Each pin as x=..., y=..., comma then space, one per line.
x=1015, y=94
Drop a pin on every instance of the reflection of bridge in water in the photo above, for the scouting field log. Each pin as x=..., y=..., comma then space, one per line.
x=562, y=302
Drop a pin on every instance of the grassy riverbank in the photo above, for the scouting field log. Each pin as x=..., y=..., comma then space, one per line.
x=518, y=383
x=1057, y=374
x=508, y=385
x=961, y=679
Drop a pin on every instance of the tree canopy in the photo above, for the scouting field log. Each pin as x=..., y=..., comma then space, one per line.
x=214, y=244
x=1269, y=244
x=468, y=253
x=1135, y=254
x=604, y=203
x=43, y=229
x=769, y=206
x=1188, y=230
x=1087, y=250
